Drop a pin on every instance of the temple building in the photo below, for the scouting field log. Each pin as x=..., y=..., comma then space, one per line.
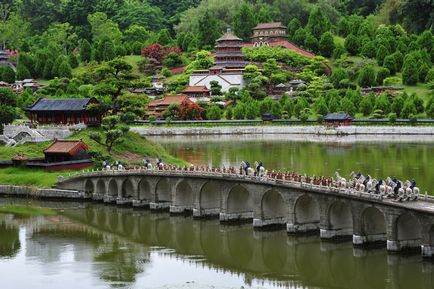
x=157, y=107
x=228, y=65
x=265, y=33
x=65, y=111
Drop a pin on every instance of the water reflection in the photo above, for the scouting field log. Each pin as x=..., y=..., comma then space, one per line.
x=126, y=247
x=379, y=156
x=9, y=239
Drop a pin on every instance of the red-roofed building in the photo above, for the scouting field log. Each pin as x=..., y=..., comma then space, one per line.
x=66, y=150
x=197, y=91
x=157, y=107
x=265, y=33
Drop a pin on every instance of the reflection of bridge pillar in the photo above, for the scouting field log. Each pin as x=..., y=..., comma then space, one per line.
x=427, y=246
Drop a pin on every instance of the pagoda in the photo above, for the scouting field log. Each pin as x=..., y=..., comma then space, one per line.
x=228, y=51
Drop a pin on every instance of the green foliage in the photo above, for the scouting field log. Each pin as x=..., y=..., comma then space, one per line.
x=352, y=44
x=8, y=102
x=382, y=52
x=22, y=72
x=409, y=109
x=382, y=103
x=7, y=74
x=366, y=106
x=208, y=29
x=367, y=76
x=216, y=88
x=368, y=50
x=382, y=74
x=338, y=74
x=113, y=133
x=65, y=70
x=214, y=112
x=244, y=21
x=318, y=23
x=293, y=26
x=262, y=54
x=410, y=73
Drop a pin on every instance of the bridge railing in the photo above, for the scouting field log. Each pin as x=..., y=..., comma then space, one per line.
x=236, y=176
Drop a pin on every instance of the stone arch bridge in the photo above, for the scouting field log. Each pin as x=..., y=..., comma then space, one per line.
x=298, y=207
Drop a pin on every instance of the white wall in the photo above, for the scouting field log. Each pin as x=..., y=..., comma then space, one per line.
x=226, y=80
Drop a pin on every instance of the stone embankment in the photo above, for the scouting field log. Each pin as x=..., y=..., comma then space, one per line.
x=309, y=130
x=22, y=191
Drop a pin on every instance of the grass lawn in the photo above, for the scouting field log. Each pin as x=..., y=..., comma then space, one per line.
x=26, y=211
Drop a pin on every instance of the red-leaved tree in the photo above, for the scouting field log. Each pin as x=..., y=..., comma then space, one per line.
x=157, y=52
x=188, y=110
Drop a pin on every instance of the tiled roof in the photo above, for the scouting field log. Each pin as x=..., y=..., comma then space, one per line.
x=229, y=36
x=338, y=116
x=269, y=25
x=201, y=88
x=65, y=146
x=168, y=100
x=65, y=104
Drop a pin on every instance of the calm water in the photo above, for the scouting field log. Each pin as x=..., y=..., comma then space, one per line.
x=379, y=156
x=97, y=246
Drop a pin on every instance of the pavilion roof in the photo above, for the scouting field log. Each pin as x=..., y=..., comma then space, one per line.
x=64, y=104
x=65, y=147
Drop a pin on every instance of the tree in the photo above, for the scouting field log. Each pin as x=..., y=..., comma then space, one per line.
x=244, y=21
x=397, y=105
x=48, y=68
x=410, y=74
x=343, y=27
x=65, y=70
x=113, y=133
x=382, y=103
x=390, y=63
x=311, y=43
x=252, y=110
x=368, y=50
x=382, y=52
x=352, y=44
x=339, y=51
x=8, y=103
x=326, y=44
x=72, y=60
x=102, y=27
x=172, y=59
x=239, y=111
x=347, y=106
x=208, y=29
x=214, y=112
x=408, y=109
x=293, y=26
x=216, y=88
x=154, y=51
x=299, y=36
x=382, y=74
x=366, y=106
x=188, y=110
x=85, y=51
x=164, y=37
x=22, y=72
x=338, y=74
x=318, y=23
x=425, y=40
x=367, y=76
x=8, y=74
x=321, y=106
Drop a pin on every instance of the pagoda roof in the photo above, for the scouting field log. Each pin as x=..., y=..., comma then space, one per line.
x=169, y=99
x=269, y=25
x=65, y=147
x=229, y=36
x=64, y=104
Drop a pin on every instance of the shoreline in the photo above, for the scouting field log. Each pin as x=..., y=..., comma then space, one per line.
x=294, y=130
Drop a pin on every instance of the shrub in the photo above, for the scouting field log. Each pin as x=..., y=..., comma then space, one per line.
x=392, y=117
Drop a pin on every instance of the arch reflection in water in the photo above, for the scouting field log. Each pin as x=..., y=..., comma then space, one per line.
x=272, y=256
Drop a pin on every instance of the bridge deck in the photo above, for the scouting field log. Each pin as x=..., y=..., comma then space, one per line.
x=425, y=203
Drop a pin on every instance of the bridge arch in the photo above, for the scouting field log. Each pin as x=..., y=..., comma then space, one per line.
x=408, y=230
x=209, y=196
x=127, y=189
x=373, y=224
x=431, y=236
x=100, y=187
x=273, y=205
x=341, y=217
x=184, y=194
x=144, y=190
x=162, y=191
x=239, y=200
x=113, y=188
x=89, y=187
x=307, y=212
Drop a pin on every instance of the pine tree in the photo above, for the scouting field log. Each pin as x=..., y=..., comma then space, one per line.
x=293, y=26
x=22, y=72
x=244, y=21
x=382, y=52
x=208, y=29
x=72, y=59
x=8, y=74
x=47, y=73
x=410, y=73
x=352, y=44
x=65, y=70
x=318, y=23
x=326, y=44
x=85, y=51
x=367, y=76
x=382, y=74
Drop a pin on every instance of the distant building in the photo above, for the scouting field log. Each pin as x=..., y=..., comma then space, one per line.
x=64, y=111
x=157, y=107
x=266, y=33
x=59, y=155
x=197, y=91
x=338, y=119
x=228, y=66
